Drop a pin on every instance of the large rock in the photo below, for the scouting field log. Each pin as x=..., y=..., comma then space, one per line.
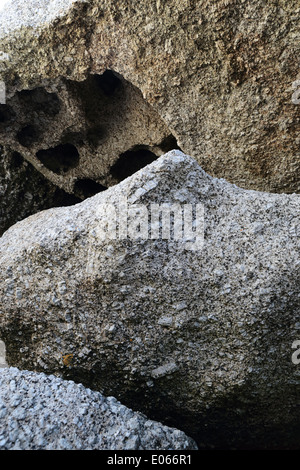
x=214, y=77
x=40, y=412
x=196, y=336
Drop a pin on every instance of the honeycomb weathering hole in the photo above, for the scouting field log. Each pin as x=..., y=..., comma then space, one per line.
x=27, y=136
x=169, y=143
x=6, y=113
x=59, y=159
x=108, y=82
x=87, y=187
x=132, y=161
x=95, y=135
x=40, y=100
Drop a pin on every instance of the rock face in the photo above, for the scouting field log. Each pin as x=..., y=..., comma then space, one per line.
x=61, y=415
x=214, y=77
x=196, y=335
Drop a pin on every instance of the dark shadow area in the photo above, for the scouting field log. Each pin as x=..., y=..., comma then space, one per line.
x=26, y=191
x=86, y=188
x=59, y=159
x=94, y=135
x=40, y=100
x=97, y=93
x=108, y=82
x=27, y=136
x=17, y=160
x=169, y=143
x=132, y=161
x=6, y=113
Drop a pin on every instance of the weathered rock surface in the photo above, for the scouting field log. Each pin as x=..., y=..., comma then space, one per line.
x=60, y=415
x=84, y=136
x=200, y=339
x=215, y=76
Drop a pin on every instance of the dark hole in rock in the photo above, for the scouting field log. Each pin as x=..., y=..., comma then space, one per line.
x=63, y=199
x=169, y=143
x=98, y=94
x=108, y=82
x=27, y=135
x=94, y=135
x=59, y=159
x=131, y=161
x=17, y=160
x=87, y=187
x=40, y=100
x=6, y=113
